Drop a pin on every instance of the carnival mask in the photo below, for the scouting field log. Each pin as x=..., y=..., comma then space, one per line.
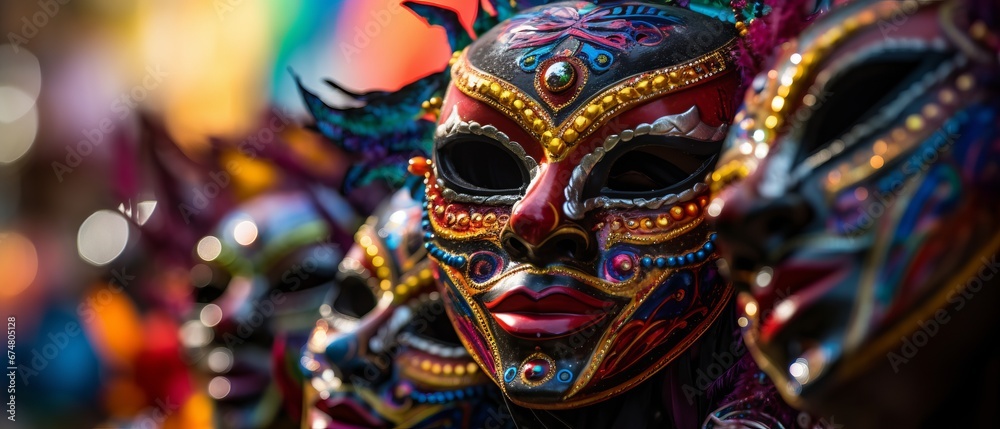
x=865, y=166
x=384, y=354
x=565, y=203
x=264, y=273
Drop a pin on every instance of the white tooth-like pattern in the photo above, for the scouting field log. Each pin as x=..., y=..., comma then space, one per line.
x=431, y=347
x=687, y=124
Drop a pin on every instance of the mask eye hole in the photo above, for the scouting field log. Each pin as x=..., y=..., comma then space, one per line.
x=353, y=297
x=651, y=166
x=861, y=94
x=480, y=166
x=306, y=268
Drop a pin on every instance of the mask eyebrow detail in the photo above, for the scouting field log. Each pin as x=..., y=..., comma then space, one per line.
x=455, y=126
x=687, y=124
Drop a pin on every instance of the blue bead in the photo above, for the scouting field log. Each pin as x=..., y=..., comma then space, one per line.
x=428, y=245
x=672, y=261
x=713, y=236
x=690, y=258
x=708, y=246
x=428, y=235
x=460, y=260
x=564, y=375
x=700, y=255
x=660, y=262
x=646, y=262
x=449, y=396
x=509, y=374
x=460, y=394
x=425, y=223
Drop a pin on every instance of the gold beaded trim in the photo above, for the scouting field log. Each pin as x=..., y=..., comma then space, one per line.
x=767, y=106
x=559, y=139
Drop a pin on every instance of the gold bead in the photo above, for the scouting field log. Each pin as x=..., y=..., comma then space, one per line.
x=556, y=146
x=581, y=123
x=642, y=87
x=692, y=209
x=626, y=94
x=570, y=136
x=518, y=104
x=538, y=125
x=659, y=82
x=592, y=111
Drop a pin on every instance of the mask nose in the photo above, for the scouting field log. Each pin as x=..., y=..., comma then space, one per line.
x=752, y=230
x=538, y=233
x=568, y=243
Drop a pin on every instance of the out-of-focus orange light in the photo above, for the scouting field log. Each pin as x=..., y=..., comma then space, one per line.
x=18, y=263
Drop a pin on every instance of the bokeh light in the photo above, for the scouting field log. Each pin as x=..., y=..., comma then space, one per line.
x=211, y=315
x=102, y=237
x=245, y=232
x=219, y=387
x=209, y=248
x=18, y=263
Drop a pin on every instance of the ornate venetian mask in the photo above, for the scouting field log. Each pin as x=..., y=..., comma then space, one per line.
x=384, y=354
x=866, y=164
x=264, y=273
x=565, y=201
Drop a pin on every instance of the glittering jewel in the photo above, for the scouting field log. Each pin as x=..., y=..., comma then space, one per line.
x=559, y=76
x=535, y=369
